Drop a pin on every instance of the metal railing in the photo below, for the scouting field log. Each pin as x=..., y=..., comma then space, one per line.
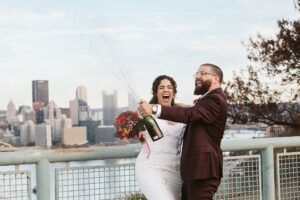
x=260, y=173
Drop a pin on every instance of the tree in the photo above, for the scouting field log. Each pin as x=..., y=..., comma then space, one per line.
x=297, y=4
x=268, y=90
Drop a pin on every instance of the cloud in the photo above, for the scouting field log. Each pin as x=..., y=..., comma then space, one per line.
x=247, y=2
x=28, y=19
x=213, y=45
x=129, y=32
x=169, y=23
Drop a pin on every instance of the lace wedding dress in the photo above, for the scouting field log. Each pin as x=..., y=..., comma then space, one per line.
x=157, y=165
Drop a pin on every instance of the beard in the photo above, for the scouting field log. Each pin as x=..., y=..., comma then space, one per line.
x=203, y=88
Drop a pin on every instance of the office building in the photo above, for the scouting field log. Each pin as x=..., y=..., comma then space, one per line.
x=11, y=112
x=74, y=112
x=132, y=102
x=74, y=136
x=29, y=115
x=83, y=112
x=91, y=128
x=58, y=125
x=81, y=93
x=40, y=91
x=27, y=133
x=43, y=135
x=110, y=107
x=52, y=111
x=65, y=111
x=105, y=134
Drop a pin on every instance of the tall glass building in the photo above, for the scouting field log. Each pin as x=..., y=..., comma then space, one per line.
x=110, y=107
x=40, y=91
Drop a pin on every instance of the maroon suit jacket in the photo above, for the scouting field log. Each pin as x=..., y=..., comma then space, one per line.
x=201, y=154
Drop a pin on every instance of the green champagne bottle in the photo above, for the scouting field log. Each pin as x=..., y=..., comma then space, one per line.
x=152, y=128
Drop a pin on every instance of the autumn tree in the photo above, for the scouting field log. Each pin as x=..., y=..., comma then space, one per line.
x=268, y=90
x=297, y=4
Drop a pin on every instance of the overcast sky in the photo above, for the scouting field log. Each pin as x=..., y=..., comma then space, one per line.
x=117, y=44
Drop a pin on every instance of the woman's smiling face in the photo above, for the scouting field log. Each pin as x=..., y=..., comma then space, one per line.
x=165, y=93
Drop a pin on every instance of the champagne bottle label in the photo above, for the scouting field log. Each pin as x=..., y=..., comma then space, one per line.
x=157, y=131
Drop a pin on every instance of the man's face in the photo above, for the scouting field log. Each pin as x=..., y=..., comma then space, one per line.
x=203, y=80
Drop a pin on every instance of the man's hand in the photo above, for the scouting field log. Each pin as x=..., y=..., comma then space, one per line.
x=144, y=108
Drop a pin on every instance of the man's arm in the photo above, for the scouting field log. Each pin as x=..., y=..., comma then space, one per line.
x=205, y=110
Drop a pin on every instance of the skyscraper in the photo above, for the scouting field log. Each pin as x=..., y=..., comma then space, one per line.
x=74, y=112
x=110, y=107
x=43, y=136
x=83, y=108
x=81, y=93
x=27, y=133
x=132, y=102
x=11, y=111
x=40, y=92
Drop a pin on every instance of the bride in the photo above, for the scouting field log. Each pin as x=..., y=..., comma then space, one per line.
x=157, y=165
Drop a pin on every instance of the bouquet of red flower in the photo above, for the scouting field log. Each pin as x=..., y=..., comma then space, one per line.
x=128, y=125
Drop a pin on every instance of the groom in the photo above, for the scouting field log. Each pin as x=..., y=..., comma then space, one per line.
x=201, y=160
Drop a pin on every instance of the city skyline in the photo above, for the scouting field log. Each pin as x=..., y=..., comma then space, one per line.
x=123, y=46
x=38, y=96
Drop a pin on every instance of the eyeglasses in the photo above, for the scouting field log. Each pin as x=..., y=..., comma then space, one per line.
x=202, y=74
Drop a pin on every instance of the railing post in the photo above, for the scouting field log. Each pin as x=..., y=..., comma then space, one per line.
x=43, y=180
x=268, y=174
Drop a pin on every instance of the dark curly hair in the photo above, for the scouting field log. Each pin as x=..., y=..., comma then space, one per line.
x=155, y=85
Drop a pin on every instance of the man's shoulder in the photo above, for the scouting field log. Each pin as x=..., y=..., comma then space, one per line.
x=216, y=97
x=216, y=94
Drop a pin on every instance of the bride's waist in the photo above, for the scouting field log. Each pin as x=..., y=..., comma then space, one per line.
x=165, y=142
x=161, y=149
x=158, y=160
x=156, y=155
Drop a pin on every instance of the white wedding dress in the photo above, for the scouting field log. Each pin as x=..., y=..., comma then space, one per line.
x=157, y=165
